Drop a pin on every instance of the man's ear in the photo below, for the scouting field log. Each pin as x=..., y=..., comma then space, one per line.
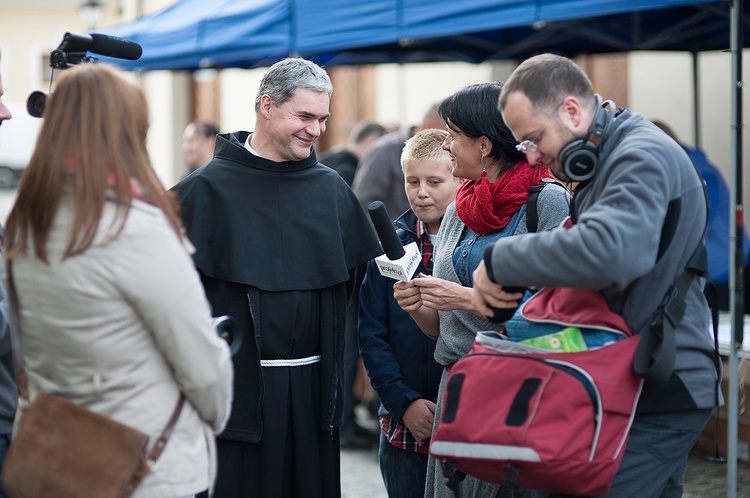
x=266, y=104
x=572, y=112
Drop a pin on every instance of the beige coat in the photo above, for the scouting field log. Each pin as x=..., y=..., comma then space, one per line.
x=121, y=329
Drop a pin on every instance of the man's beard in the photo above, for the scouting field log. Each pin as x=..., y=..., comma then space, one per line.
x=559, y=174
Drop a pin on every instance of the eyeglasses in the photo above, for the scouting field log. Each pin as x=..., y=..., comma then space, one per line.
x=526, y=146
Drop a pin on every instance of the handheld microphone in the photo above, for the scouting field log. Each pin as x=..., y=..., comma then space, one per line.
x=386, y=233
x=112, y=46
x=399, y=262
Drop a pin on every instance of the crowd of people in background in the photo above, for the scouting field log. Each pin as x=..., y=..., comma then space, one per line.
x=119, y=279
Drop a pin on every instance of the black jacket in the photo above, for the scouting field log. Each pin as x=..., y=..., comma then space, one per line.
x=398, y=356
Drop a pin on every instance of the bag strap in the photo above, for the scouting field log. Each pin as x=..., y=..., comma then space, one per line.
x=19, y=367
x=655, y=356
x=532, y=210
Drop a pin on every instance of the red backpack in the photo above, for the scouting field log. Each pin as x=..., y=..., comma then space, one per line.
x=559, y=422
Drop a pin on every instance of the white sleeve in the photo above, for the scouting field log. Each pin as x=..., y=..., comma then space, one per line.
x=157, y=276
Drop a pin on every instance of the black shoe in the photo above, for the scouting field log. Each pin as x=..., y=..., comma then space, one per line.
x=358, y=441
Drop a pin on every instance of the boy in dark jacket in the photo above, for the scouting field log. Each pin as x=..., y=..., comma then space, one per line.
x=400, y=358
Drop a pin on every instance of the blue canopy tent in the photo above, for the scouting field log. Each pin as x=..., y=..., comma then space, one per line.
x=195, y=34
x=186, y=35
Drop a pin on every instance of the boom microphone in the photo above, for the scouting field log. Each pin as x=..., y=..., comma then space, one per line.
x=113, y=46
x=72, y=50
x=399, y=262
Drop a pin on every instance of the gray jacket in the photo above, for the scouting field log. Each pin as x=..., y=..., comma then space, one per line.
x=614, y=245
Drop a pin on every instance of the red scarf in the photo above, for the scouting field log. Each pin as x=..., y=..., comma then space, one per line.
x=488, y=207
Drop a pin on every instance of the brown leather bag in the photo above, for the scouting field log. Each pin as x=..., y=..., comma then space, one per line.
x=63, y=450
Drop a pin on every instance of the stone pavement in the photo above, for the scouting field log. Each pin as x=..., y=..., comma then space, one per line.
x=708, y=479
x=360, y=476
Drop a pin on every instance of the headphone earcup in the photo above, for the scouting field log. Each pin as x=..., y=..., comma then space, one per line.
x=578, y=160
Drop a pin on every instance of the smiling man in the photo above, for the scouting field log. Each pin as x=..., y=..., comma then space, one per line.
x=278, y=240
x=634, y=185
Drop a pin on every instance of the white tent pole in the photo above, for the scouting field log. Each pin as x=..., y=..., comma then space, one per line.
x=735, y=252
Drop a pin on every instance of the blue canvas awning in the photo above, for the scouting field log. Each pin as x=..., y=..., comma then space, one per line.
x=190, y=34
x=249, y=33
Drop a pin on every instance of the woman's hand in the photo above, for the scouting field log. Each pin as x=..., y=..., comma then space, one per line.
x=444, y=295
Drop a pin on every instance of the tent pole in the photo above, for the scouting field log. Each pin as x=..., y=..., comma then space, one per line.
x=735, y=253
x=696, y=103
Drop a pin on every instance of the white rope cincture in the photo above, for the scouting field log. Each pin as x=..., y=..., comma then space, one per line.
x=295, y=362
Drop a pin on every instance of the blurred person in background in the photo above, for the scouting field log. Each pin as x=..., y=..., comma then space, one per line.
x=112, y=313
x=198, y=144
x=719, y=219
x=344, y=159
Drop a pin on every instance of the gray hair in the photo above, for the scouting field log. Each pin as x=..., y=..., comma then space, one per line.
x=284, y=77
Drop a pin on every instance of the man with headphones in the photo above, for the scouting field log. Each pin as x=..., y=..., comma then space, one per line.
x=639, y=215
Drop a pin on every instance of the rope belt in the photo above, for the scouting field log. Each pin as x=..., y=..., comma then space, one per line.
x=295, y=362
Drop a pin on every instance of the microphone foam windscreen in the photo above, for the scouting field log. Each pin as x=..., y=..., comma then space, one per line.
x=113, y=46
x=386, y=231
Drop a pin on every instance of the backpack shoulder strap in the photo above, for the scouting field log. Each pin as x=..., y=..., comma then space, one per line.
x=532, y=211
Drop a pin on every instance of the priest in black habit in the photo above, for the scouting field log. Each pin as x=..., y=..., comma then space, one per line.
x=279, y=238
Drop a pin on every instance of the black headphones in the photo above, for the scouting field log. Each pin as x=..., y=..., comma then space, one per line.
x=579, y=158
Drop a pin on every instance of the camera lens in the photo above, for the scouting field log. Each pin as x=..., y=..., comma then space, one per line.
x=35, y=103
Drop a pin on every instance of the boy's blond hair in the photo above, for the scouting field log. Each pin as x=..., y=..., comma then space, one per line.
x=426, y=145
